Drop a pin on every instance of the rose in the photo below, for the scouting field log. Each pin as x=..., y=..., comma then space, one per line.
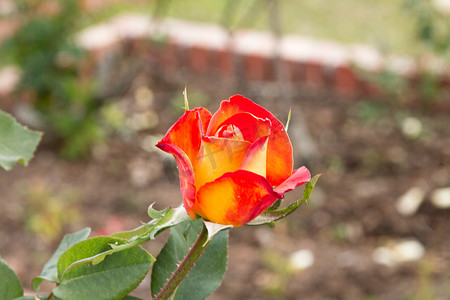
x=234, y=164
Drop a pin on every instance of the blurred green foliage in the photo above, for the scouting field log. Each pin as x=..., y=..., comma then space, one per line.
x=278, y=274
x=432, y=31
x=196, y=98
x=432, y=24
x=44, y=49
x=425, y=84
x=369, y=112
x=48, y=212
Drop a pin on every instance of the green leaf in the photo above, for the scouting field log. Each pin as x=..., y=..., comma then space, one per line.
x=208, y=271
x=271, y=215
x=49, y=272
x=17, y=144
x=172, y=253
x=10, y=286
x=112, y=278
x=135, y=237
x=207, y=274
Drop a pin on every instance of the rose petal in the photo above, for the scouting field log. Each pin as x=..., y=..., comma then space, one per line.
x=235, y=198
x=298, y=177
x=251, y=127
x=279, y=152
x=256, y=157
x=183, y=141
x=186, y=133
x=205, y=117
x=216, y=157
x=186, y=173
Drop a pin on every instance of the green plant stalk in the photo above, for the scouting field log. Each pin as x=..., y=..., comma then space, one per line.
x=185, y=266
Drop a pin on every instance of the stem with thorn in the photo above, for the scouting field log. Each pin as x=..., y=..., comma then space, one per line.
x=185, y=266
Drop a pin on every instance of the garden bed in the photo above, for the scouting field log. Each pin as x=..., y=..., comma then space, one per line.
x=367, y=160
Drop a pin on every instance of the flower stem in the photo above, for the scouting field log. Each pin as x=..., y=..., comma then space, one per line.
x=185, y=266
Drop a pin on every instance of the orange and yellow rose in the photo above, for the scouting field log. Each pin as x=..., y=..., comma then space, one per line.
x=234, y=164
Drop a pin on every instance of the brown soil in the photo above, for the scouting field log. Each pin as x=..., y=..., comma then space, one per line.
x=367, y=164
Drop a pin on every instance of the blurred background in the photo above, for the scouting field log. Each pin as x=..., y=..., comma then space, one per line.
x=368, y=85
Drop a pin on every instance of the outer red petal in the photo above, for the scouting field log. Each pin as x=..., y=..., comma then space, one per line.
x=205, y=117
x=186, y=133
x=298, y=177
x=235, y=198
x=183, y=141
x=279, y=155
x=186, y=176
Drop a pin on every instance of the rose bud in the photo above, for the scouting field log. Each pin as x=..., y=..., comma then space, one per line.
x=234, y=164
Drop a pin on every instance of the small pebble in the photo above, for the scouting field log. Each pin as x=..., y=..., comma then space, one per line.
x=441, y=198
x=412, y=127
x=398, y=252
x=301, y=259
x=409, y=202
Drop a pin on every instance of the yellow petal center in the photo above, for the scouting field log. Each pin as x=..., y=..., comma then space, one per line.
x=230, y=132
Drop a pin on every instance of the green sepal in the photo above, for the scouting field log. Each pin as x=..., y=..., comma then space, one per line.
x=214, y=228
x=274, y=205
x=310, y=187
x=132, y=234
x=156, y=214
x=161, y=220
x=269, y=216
x=168, y=218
